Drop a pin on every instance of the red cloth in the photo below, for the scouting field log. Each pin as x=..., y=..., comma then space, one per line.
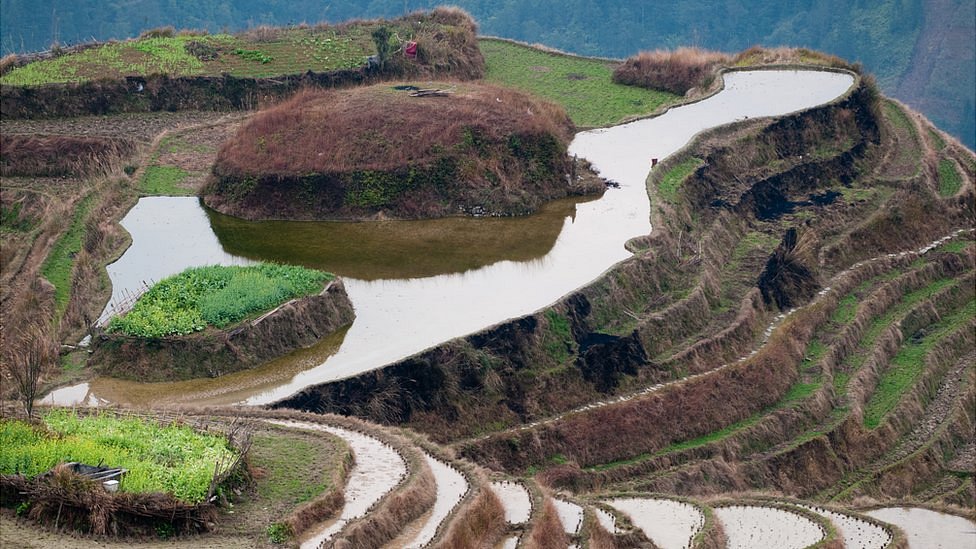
x=411, y=50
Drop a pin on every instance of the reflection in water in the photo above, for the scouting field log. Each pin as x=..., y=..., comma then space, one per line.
x=396, y=249
x=396, y=318
x=224, y=390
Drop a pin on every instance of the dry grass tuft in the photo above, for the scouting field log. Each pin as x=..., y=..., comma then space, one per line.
x=675, y=71
x=52, y=155
x=548, y=532
x=759, y=55
x=481, y=524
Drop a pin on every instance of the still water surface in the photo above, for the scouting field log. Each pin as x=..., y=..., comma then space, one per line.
x=415, y=284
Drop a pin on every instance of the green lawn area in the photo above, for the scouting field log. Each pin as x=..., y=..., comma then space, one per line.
x=670, y=183
x=582, y=86
x=164, y=181
x=171, y=459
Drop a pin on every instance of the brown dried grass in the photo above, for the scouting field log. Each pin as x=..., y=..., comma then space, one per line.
x=481, y=523
x=377, y=128
x=547, y=530
x=67, y=499
x=52, y=155
x=676, y=71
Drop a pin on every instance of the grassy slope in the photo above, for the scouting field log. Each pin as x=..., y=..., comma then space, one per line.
x=582, y=86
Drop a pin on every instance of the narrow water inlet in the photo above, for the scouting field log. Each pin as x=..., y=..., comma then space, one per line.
x=377, y=470
x=409, y=315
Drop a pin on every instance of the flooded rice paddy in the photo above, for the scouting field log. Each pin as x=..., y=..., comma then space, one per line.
x=927, y=529
x=570, y=514
x=515, y=499
x=451, y=487
x=415, y=284
x=748, y=527
x=668, y=523
x=857, y=533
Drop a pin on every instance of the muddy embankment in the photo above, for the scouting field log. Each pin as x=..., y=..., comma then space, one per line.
x=211, y=353
x=602, y=339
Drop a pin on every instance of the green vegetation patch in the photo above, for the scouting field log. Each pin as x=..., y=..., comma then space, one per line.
x=846, y=308
x=173, y=459
x=164, y=181
x=581, y=85
x=59, y=263
x=285, y=460
x=670, y=182
x=216, y=296
x=12, y=219
x=949, y=179
x=277, y=52
x=908, y=365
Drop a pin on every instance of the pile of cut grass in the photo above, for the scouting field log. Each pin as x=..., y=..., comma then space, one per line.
x=216, y=296
x=581, y=85
x=172, y=459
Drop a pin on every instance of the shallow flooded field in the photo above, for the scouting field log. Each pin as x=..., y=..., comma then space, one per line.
x=669, y=524
x=748, y=527
x=927, y=529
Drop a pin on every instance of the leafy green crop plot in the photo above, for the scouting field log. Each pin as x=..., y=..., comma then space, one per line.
x=582, y=86
x=215, y=296
x=172, y=459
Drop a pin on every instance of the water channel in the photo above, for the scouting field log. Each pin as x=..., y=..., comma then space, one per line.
x=415, y=284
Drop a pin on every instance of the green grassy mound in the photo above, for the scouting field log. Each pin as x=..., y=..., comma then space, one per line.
x=215, y=296
x=172, y=459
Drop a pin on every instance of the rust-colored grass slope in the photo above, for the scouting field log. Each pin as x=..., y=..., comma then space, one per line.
x=353, y=153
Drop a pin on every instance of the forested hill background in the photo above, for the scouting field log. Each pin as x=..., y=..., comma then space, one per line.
x=922, y=52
